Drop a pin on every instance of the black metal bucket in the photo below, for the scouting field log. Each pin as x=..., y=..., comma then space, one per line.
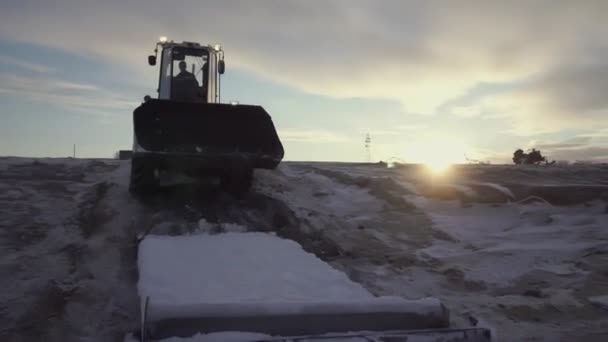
x=208, y=129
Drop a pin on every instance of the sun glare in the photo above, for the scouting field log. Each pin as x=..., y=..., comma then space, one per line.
x=438, y=155
x=438, y=166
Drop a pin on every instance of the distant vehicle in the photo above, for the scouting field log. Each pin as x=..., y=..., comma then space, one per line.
x=186, y=129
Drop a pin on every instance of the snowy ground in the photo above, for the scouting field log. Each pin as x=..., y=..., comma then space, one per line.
x=479, y=240
x=68, y=252
x=482, y=240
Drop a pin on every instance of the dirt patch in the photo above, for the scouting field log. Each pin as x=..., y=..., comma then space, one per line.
x=444, y=192
x=401, y=260
x=526, y=313
x=73, y=253
x=128, y=261
x=98, y=166
x=529, y=283
x=596, y=281
x=441, y=235
x=42, y=316
x=485, y=193
x=456, y=278
x=40, y=171
x=21, y=236
x=466, y=192
x=91, y=215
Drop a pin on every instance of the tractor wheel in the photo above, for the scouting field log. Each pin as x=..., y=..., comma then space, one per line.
x=143, y=181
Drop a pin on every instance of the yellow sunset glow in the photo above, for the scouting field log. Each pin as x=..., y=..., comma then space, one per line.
x=437, y=154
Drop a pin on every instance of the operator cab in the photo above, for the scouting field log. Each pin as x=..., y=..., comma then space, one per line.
x=189, y=72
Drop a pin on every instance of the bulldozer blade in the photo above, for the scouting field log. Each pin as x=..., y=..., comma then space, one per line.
x=428, y=335
x=207, y=130
x=379, y=316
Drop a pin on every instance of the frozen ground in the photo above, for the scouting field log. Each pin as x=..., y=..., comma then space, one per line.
x=480, y=240
x=484, y=240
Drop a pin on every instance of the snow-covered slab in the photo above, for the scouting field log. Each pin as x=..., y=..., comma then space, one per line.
x=257, y=282
x=237, y=268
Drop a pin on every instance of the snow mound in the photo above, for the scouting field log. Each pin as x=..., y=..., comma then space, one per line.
x=601, y=301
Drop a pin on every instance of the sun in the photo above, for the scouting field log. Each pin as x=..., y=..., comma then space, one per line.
x=438, y=166
x=437, y=154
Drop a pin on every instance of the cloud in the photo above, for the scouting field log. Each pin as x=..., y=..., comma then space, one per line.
x=393, y=131
x=74, y=96
x=590, y=153
x=12, y=61
x=542, y=62
x=311, y=136
x=568, y=96
x=577, y=148
x=576, y=142
x=382, y=132
x=74, y=86
x=571, y=96
x=420, y=53
x=411, y=127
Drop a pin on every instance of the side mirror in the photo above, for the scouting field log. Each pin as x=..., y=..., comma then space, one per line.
x=152, y=60
x=221, y=67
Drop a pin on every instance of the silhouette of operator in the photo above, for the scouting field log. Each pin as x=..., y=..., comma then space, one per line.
x=185, y=85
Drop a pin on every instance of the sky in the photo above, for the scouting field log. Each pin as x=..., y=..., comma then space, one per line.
x=451, y=78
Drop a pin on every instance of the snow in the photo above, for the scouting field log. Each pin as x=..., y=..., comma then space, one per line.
x=310, y=192
x=63, y=244
x=512, y=262
x=464, y=189
x=525, y=237
x=229, y=336
x=506, y=191
x=601, y=301
x=528, y=269
x=237, y=267
x=340, y=200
